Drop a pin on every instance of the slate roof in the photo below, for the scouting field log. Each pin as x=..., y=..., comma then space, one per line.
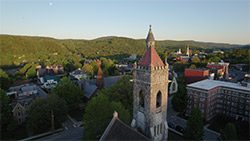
x=111, y=80
x=117, y=130
x=89, y=86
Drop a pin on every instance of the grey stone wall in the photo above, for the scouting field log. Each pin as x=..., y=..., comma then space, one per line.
x=151, y=81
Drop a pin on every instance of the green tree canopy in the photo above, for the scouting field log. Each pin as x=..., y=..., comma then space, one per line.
x=95, y=67
x=6, y=114
x=215, y=59
x=196, y=59
x=31, y=72
x=88, y=69
x=194, y=129
x=8, y=124
x=98, y=114
x=5, y=80
x=179, y=100
x=122, y=92
x=24, y=69
x=107, y=66
x=40, y=113
x=68, y=91
x=229, y=132
x=192, y=66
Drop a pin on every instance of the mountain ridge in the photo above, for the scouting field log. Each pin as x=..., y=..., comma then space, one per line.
x=15, y=49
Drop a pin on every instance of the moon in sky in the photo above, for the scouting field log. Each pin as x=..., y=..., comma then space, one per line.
x=50, y=4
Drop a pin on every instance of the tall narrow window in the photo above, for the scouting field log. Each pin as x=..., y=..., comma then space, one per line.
x=154, y=130
x=161, y=128
x=158, y=129
x=158, y=99
x=141, y=99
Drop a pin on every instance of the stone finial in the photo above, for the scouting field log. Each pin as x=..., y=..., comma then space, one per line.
x=115, y=114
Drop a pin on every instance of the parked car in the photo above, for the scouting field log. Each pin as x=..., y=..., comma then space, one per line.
x=171, y=125
x=179, y=128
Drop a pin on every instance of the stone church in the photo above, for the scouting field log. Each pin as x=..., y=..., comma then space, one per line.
x=150, y=96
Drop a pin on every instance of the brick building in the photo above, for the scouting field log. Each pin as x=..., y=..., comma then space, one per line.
x=194, y=75
x=214, y=97
x=220, y=69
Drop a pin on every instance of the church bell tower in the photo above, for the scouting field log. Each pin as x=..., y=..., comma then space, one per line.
x=150, y=93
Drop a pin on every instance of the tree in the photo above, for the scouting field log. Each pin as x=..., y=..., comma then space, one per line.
x=180, y=67
x=122, y=92
x=108, y=66
x=31, y=72
x=6, y=114
x=40, y=113
x=215, y=59
x=7, y=124
x=95, y=66
x=194, y=129
x=98, y=113
x=192, y=66
x=68, y=91
x=69, y=65
x=24, y=69
x=229, y=132
x=179, y=100
x=88, y=69
x=5, y=80
x=196, y=59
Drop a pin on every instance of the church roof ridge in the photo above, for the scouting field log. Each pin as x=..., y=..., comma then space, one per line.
x=128, y=133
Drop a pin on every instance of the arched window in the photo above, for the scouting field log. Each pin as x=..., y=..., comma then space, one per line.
x=158, y=99
x=141, y=99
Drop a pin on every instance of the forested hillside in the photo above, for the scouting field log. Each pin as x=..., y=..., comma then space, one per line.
x=17, y=49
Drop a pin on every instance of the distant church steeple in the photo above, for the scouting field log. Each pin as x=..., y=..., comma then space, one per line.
x=188, y=51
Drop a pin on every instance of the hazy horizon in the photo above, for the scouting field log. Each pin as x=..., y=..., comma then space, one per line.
x=203, y=21
x=122, y=37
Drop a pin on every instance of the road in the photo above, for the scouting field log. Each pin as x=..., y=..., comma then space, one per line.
x=70, y=133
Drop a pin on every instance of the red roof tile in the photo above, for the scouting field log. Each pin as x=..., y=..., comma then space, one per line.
x=151, y=58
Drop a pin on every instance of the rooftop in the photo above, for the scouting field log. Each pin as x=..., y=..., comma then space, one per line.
x=150, y=58
x=117, y=130
x=208, y=84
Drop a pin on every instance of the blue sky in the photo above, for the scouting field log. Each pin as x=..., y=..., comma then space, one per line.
x=225, y=21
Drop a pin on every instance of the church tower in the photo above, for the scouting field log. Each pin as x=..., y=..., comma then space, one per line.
x=150, y=93
x=99, y=77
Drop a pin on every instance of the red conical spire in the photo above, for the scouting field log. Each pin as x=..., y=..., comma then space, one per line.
x=151, y=57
